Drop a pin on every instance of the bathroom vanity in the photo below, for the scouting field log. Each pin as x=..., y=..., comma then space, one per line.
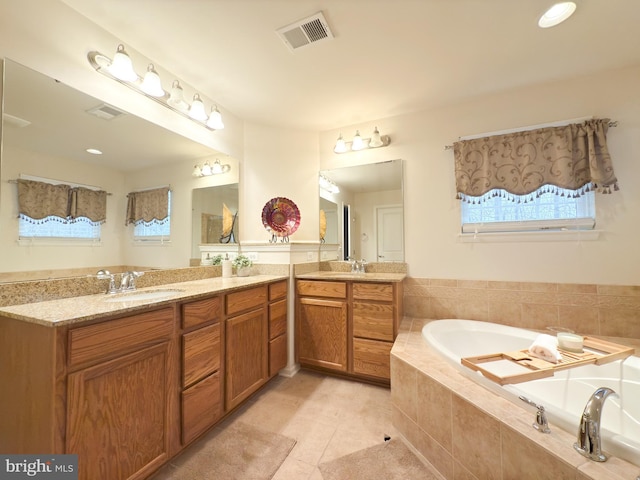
x=127, y=385
x=346, y=323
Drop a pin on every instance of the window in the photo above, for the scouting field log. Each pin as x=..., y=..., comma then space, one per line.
x=155, y=230
x=499, y=211
x=55, y=227
x=52, y=210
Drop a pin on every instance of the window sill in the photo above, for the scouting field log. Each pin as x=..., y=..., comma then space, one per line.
x=538, y=236
x=59, y=242
x=157, y=241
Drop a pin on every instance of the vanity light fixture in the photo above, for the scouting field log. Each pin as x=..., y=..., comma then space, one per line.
x=556, y=14
x=327, y=185
x=207, y=169
x=359, y=143
x=121, y=69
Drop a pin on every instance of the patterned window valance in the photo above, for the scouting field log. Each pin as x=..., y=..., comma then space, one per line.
x=148, y=206
x=39, y=200
x=573, y=157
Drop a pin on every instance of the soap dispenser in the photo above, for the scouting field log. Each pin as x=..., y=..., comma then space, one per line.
x=226, y=267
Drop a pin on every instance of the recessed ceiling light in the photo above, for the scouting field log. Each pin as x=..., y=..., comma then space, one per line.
x=94, y=151
x=557, y=14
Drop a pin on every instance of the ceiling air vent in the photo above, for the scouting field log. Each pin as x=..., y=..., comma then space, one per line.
x=106, y=112
x=304, y=32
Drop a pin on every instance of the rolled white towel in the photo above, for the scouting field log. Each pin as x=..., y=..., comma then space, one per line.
x=545, y=347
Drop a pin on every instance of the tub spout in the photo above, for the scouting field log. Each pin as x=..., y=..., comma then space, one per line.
x=588, y=443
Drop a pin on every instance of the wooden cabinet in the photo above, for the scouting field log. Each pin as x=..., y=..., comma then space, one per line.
x=348, y=327
x=119, y=417
x=277, y=327
x=321, y=324
x=374, y=328
x=201, y=395
x=129, y=392
x=246, y=341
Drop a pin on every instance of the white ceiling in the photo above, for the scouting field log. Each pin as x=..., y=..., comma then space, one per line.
x=388, y=57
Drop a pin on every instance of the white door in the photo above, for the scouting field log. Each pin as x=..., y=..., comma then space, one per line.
x=390, y=234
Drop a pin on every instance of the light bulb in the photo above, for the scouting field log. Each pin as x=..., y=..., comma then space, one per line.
x=341, y=146
x=197, y=111
x=121, y=67
x=176, y=98
x=376, y=140
x=215, y=119
x=557, y=14
x=196, y=171
x=217, y=168
x=206, y=169
x=151, y=83
x=357, y=143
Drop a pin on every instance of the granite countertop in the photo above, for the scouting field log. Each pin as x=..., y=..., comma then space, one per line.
x=91, y=307
x=359, y=277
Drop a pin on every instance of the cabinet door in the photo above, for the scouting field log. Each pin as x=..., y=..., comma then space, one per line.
x=322, y=333
x=201, y=407
x=246, y=365
x=372, y=357
x=118, y=419
x=201, y=350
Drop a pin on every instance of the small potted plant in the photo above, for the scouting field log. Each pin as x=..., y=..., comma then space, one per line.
x=243, y=265
x=217, y=260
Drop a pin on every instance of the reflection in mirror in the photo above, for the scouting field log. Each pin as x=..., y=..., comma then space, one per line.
x=47, y=127
x=215, y=216
x=373, y=194
x=330, y=224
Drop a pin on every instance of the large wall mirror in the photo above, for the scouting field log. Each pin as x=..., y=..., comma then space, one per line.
x=47, y=127
x=367, y=211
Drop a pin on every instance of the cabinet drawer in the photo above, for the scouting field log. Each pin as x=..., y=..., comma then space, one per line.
x=382, y=292
x=277, y=354
x=246, y=299
x=277, y=290
x=201, y=407
x=313, y=288
x=201, y=350
x=114, y=337
x=373, y=320
x=277, y=319
x=371, y=357
x=201, y=311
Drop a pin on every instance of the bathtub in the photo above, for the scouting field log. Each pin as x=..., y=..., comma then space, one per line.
x=564, y=395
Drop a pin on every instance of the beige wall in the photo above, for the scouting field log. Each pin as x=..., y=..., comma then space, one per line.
x=432, y=214
x=277, y=162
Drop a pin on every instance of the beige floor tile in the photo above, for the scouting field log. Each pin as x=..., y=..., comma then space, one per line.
x=294, y=469
x=328, y=417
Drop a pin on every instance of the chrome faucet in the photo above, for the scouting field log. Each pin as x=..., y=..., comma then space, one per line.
x=588, y=443
x=128, y=281
x=541, y=424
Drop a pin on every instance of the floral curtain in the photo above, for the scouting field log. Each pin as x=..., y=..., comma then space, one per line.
x=39, y=200
x=88, y=203
x=573, y=157
x=147, y=206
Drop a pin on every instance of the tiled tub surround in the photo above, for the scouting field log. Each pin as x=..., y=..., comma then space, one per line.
x=469, y=433
x=608, y=310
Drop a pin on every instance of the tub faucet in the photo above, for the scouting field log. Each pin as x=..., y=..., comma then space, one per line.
x=588, y=443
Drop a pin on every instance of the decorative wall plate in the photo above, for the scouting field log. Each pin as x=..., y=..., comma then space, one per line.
x=281, y=217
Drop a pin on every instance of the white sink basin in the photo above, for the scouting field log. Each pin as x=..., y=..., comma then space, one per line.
x=147, y=295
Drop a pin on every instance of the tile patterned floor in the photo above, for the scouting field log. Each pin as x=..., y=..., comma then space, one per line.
x=328, y=417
